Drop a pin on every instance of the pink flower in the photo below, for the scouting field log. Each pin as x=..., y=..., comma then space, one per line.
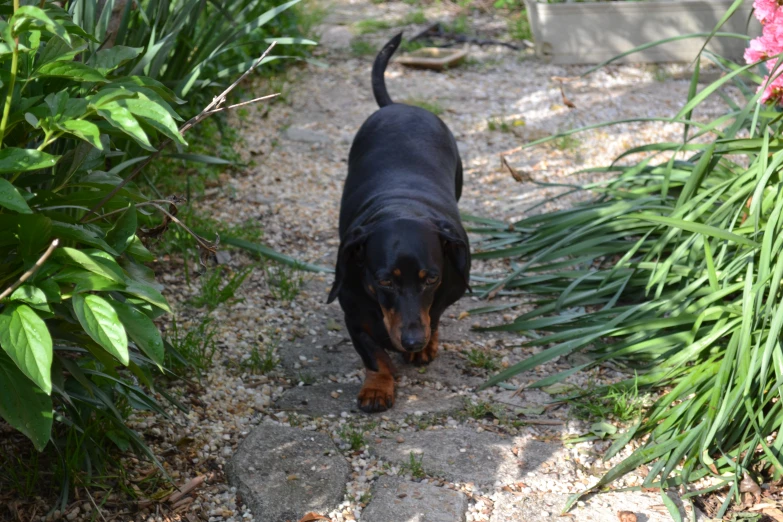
x=774, y=91
x=767, y=10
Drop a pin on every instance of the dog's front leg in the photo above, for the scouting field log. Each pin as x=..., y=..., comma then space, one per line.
x=377, y=393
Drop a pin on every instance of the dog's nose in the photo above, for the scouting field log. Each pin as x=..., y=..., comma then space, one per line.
x=412, y=341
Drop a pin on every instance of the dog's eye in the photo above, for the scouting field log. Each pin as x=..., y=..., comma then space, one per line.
x=385, y=282
x=432, y=280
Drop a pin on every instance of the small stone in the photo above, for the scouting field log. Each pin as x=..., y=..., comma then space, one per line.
x=400, y=439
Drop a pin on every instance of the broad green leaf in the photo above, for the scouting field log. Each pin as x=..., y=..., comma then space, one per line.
x=102, y=324
x=84, y=130
x=123, y=120
x=25, y=338
x=11, y=199
x=97, y=265
x=13, y=160
x=28, y=15
x=142, y=331
x=147, y=293
x=24, y=405
x=139, y=251
x=31, y=295
x=122, y=233
x=81, y=234
x=154, y=115
x=69, y=70
x=107, y=60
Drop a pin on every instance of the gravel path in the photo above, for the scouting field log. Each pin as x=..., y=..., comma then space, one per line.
x=494, y=455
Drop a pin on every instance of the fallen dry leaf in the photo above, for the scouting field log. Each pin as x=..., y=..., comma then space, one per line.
x=568, y=103
x=773, y=513
x=462, y=315
x=626, y=516
x=311, y=517
x=516, y=174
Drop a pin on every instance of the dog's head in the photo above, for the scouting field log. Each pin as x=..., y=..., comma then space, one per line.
x=402, y=263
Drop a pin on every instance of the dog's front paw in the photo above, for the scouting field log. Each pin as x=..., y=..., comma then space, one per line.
x=427, y=355
x=377, y=393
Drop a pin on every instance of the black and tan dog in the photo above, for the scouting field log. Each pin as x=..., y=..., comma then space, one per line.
x=404, y=256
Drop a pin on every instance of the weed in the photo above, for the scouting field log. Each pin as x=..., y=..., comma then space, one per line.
x=414, y=466
x=362, y=48
x=365, y=498
x=621, y=404
x=519, y=27
x=482, y=410
x=458, y=26
x=307, y=378
x=660, y=74
x=480, y=359
x=434, y=107
x=285, y=282
x=212, y=295
x=568, y=142
x=408, y=47
x=261, y=362
x=353, y=437
x=416, y=17
x=371, y=25
x=197, y=347
x=498, y=124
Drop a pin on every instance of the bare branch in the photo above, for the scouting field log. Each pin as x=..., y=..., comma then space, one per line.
x=210, y=109
x=220, y=109
x=33, y=269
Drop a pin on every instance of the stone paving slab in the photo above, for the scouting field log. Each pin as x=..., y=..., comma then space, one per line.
x=464, y=455
x=282, y=473
x=396, y=500
x=332, y=398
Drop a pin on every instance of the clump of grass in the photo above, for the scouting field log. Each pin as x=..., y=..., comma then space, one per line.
x=307, y=378
x=213, y=294
x=458, y=26
x=434, y=107
x=261, y=361
x=498, y=124
x=195, y=348
x=408, y=47
x=414, y=466
x=362, y=48
x=519, y=27
x=482, y=410
x=352, y=436
x=285, y=282
x=481, y=359
x=617, y=403
x=371, y=25
x=416, y=17
x=568, y=142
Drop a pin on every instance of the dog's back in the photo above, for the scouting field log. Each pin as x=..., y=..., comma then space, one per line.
x=401, y=154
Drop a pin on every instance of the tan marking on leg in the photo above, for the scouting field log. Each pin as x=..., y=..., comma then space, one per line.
x=377, y=393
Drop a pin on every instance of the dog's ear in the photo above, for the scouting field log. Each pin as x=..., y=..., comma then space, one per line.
x=351, y=250
x=455, y=249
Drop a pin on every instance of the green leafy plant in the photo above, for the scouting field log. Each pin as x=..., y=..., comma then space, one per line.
x=414, y=466
x=285, y=282
x=434, y=107
x=77, y=303
x=194, y=348
x=673, y=270
x=481, y=359
x=352, y=436
x=261, y=361
x=371, y=25
x=213, y=294
x=362, y=47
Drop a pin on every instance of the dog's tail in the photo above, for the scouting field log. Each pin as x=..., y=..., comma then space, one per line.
x=379, y=67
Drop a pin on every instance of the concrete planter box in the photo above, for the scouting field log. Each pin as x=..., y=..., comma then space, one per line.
x=582, y=33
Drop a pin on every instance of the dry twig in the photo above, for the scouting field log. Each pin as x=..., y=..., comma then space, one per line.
x=33, y=269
